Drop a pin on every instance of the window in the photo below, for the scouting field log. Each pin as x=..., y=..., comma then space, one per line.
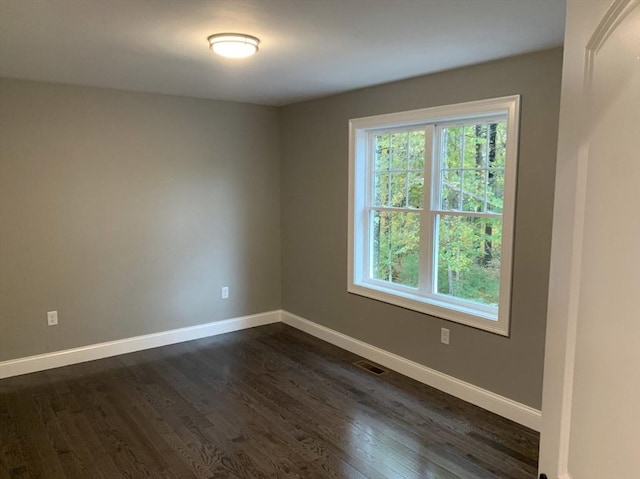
x=431, y=210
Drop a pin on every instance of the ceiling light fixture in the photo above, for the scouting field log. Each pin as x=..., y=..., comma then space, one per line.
x=233, y=45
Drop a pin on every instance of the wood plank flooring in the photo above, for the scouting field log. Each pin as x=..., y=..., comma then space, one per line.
x=268, y=402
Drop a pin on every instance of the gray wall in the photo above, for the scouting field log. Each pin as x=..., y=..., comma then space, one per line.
x=127, y=212
x=314, y=139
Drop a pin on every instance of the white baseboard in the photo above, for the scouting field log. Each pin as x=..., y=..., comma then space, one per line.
x=515, y=411
x=57, y=359
x=495, y=403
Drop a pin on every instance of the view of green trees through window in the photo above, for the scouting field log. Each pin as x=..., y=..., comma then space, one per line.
x=399, y=183
x=468, y=191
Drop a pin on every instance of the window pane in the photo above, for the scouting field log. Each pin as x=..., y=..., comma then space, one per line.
x=381, y=189
x=399, y=169
x=416, y=189
x=382, y=150
x=475, y=146
x=399, y=150
x=498, y=145
x=450, y=196
x=416, y=150
x=468, y=258
x=398, y=190
x=495, y=190
x=395, y=243
x=473, y=185
x=451, y=147
x=478, y=152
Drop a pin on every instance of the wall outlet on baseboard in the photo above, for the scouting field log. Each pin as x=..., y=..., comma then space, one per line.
x=444, y=335
x=52, y=318
x=224, y=292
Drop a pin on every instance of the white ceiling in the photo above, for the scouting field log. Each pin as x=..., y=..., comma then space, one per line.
x=309, y=48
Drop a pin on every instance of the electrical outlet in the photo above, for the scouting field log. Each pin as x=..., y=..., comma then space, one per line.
x=52, y=318
x=444, y=335
x=225, y=292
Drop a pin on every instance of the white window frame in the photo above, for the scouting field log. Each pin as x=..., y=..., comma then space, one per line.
x=495, y=320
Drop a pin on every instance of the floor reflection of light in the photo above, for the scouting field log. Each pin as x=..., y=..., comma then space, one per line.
x=390, y=450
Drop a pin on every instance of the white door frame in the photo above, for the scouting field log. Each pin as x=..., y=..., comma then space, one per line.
x=592, y=29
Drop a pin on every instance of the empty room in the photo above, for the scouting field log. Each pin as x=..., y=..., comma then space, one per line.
x=386, y=239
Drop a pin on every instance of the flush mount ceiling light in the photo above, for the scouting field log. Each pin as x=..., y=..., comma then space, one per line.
x=233, y=45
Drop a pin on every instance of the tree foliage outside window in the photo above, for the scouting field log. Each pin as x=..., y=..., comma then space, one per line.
x=472, y=164
x=399, y=183
x=471, y=180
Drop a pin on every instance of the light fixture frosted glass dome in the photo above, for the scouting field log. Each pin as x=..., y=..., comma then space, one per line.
x=233, y=45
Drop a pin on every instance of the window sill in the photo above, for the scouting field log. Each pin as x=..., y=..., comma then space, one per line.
x=459, y=314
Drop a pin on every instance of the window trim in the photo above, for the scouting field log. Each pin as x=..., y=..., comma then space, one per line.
x=359, y=152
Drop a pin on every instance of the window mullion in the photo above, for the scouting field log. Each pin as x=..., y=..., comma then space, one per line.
x=426, y=254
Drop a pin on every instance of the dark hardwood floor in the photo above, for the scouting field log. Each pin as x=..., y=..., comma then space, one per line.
x=268, y=402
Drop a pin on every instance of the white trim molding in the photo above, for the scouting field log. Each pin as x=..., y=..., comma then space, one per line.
x=505, y=407
x=91, y=352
